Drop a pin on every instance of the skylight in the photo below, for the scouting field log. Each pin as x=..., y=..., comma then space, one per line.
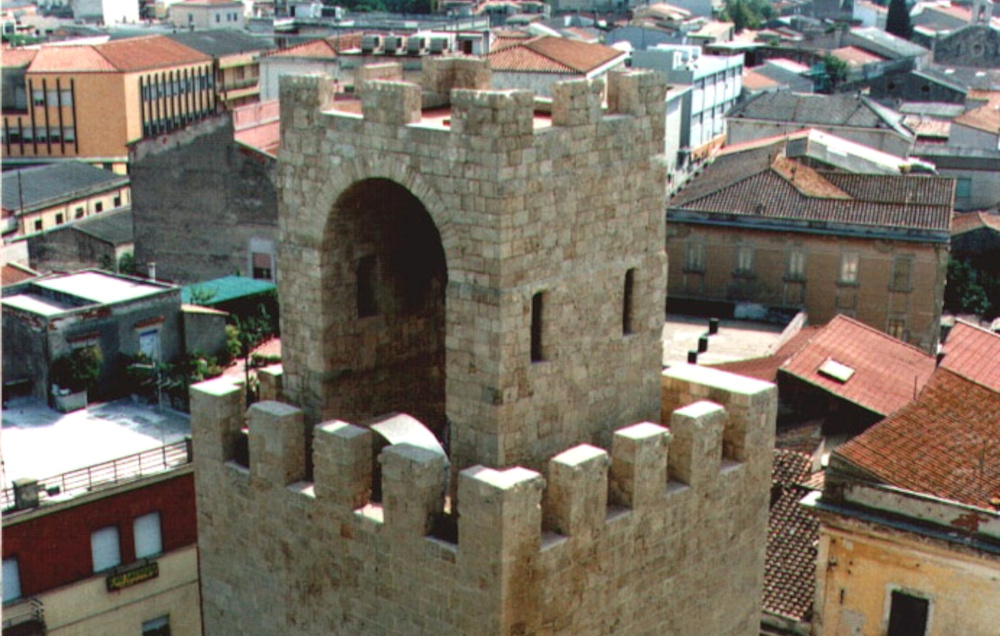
x=835, y=370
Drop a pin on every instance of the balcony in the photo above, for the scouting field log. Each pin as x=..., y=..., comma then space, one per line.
x=24, y=618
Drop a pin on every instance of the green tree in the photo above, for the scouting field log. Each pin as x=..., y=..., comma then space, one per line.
x=898, y=20
x=836, y=70
x=963, y=293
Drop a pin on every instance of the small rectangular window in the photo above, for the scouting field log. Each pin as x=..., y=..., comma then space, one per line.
x=146, y=530
x=848, y=268
x=157, y=627
x=261, y=266
x=118, y=201
x=744, y=260
x=537, y=309
x=902, y=271
x=69, y=133
x=99, y=206
x=104, y=548
x=694, y=256
x=59, y=219
x=627, y=302
x=38, y=225
x=796, y=265
x=908, y=615
x=11, y=579
x=67, y=97
x=896, y=327
x=963, y=188
x=38, y=98
x=78, y=213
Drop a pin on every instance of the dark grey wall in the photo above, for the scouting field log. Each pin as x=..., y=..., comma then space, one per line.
x=198, y=198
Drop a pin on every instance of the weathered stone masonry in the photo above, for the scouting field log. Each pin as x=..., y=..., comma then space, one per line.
x=470, y=265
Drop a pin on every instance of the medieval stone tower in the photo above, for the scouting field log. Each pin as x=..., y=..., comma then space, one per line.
x=494, y=267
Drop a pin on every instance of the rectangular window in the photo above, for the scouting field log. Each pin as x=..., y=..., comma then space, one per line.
x=157, y=627
x=218, y=18
x=902, y=271
x=261, y=266
x=744, y=260
x=963, y=188
x=69, y=133
x=38, y=225
x=78, y=213
x=67, y=97
x=118, y=201
x=11, y=579
x=149, y=343
x=59, y=219
x=796, y=265
x=38, y=98
x=99, y=206
x=627, y=302
x=104, y=548
x=848, y=268
x=908, y=615
x=896, y=327
x=366, y=297
x=694, y=256
x=537, y=307
x=146, y=530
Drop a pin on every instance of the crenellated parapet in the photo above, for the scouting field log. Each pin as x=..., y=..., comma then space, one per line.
x=648, y=509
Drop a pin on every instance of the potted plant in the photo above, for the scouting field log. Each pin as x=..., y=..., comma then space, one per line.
x=72, y=375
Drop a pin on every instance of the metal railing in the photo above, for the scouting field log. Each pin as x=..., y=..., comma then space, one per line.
x=112, y=472
x=27, y=616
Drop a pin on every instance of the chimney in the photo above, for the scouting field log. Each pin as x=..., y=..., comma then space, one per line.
x=152, y=270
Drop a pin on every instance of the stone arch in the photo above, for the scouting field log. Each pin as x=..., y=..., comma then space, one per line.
x=383, y=277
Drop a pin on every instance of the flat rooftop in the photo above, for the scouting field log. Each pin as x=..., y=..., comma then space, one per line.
x=100, y=288
x=736, y=340
x=39, y=442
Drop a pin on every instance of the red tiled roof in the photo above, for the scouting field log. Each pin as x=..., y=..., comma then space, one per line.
x=545, y=54
x=945, y=444
x=793, y=534
x=927, y=127
x=70, y=59
x=17, y=58
x=327, y=48
x=985, y=118
x=754, y=179
x=156, y=51
x=962, y=222
x=755, y=81
x=855, y=56
x=887, y=372
x=973, y=353
x=12, y=273
x=766, y=368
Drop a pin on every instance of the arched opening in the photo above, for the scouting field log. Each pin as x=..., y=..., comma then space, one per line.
x=391, y=275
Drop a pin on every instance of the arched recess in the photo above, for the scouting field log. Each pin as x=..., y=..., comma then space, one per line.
x=385, y=280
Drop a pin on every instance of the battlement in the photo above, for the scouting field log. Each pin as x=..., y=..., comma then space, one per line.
x=455, y=96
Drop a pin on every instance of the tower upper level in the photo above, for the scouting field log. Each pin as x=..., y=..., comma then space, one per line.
x=488, y=263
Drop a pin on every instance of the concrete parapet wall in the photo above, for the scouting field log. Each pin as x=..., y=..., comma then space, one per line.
x=603, y=543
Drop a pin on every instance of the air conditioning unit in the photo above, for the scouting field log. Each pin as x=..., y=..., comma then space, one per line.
x=371, y=44
x=439, y=45
x=416, y=45
x=393, y=44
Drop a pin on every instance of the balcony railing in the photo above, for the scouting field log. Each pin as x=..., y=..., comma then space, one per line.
x=24, y=618
x=109, y=473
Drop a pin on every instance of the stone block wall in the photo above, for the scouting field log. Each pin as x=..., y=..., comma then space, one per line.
x=521, y=204
x=661, y=532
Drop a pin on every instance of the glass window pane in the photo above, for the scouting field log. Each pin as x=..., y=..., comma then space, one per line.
x=148, y=541
x=11, y=579
x=104, y=548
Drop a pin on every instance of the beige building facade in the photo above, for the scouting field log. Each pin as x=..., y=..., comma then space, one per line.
x=584, y=491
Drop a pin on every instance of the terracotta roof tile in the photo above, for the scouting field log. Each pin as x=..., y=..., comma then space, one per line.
x=887, y=372
x=545, y=54
x=793, y=534
x=962, y=222
x=985, y=118
x=12, y=273
x=945, y=444
x=156, y=51
x=17, y=58
x=755, y=81
x=973, y=353
x=328, y=48
x=855, y=56
x=76, y=59
x=766, y=368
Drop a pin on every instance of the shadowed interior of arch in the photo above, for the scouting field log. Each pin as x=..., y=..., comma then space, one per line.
x=391, y=294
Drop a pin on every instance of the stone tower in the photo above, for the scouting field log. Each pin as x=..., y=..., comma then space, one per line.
x=494, y=267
